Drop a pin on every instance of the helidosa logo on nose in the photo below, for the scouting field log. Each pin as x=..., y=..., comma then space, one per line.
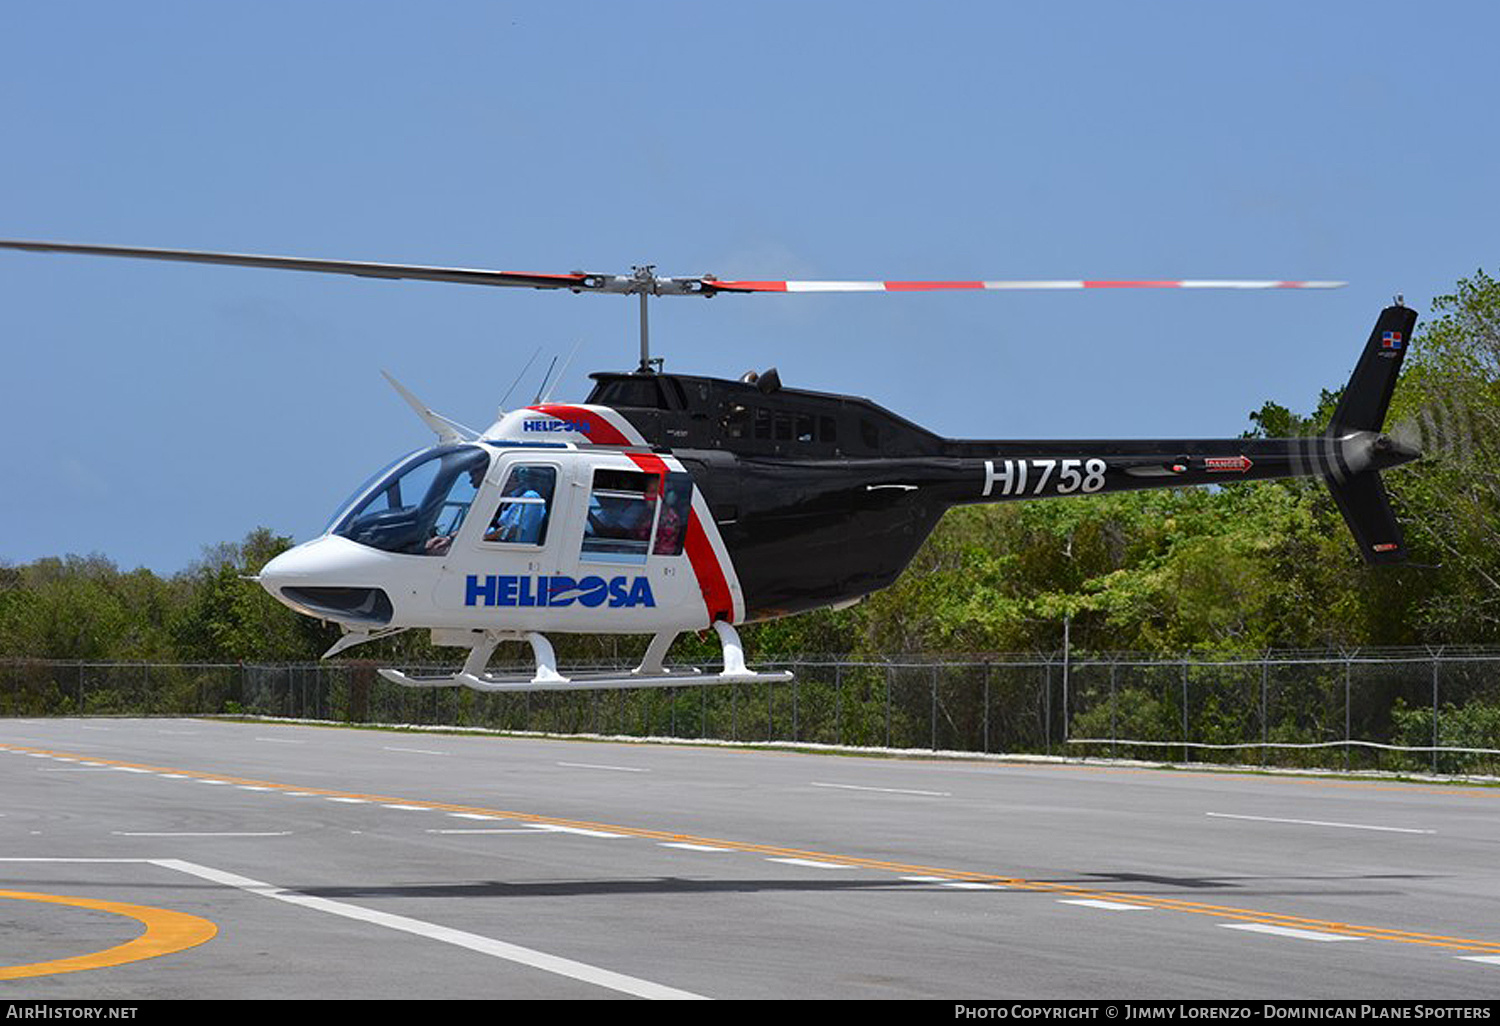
x=515, y=590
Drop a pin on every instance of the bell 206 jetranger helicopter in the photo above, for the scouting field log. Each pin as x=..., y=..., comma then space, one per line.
x=666, y=503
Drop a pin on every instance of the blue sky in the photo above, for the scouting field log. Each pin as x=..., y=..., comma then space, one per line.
x=154, y=409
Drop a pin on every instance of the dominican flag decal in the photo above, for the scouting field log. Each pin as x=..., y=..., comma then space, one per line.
x=1390, y=340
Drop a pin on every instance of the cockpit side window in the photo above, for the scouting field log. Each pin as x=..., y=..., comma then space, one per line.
x=418, y=507
x=525, y=506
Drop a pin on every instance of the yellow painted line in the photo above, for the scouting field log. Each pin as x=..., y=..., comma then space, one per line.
x=1013, y=883
x=166, y=932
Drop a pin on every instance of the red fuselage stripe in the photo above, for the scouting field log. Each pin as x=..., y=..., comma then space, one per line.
x=700, y=552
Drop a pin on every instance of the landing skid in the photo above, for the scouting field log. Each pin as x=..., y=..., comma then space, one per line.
x=649, y=674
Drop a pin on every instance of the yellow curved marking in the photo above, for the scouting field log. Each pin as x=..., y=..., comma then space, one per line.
x=166, y=932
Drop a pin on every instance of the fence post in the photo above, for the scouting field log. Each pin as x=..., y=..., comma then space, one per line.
x=1113, y=709
x=838, y=704
x=1265, y=721
x=1185, y=757
x=1348, y=669
x=986, y=706
x=1435, y=734
x=889, y=670
x=932, y=714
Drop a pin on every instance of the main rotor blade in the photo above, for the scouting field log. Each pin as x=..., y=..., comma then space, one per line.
x=467, y=276
x=642, y=281
x=934, y=286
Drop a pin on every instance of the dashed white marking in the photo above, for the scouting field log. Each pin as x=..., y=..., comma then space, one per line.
x=598, y=766
x=1288, y=931
x=927, y=879
x=471, y=815
x=1112, y=906
x=415, y=751
x=192, y=833
x=408, y=808
x=206, y=780
x=685, y=846
x=887, y=790
x=281, y=741
x=811, y=863
x=1322, y=823
x=255, y=787
x=556, y=829
x=473, y=942
x=347, y=801
x=972, y=885
x=129, y=769
x=1487, y=959
x=491, y=830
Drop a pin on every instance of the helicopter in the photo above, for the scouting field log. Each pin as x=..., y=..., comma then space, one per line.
x=669, y=503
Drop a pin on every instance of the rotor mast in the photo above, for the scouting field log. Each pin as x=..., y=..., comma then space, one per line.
x=645, y=277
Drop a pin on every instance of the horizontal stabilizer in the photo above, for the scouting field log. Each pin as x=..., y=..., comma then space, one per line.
x=1367, y=510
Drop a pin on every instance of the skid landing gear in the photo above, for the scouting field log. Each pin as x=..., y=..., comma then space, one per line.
x=651, y=673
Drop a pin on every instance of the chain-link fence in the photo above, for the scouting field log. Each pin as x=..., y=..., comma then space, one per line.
x=1402, y=710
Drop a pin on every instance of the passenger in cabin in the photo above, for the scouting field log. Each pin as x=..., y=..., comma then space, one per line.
x=669, y=527
x=520, y=521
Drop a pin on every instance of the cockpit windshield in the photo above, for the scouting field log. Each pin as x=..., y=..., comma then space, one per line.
x=420, y=504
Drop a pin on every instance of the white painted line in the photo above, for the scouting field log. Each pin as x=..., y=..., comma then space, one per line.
x=927, y=879
x=189, y=833
x=554, y=828
x=129, y=769
x=300, y=794
x=597, y=766
x=973, y=885
x=1112, y=906
x=415, y=751
x=408, y=808
x=206, y=780
x=1288, y=931
x=280, y=741
x=1487, y=959
x=887, y=790
x=811, y=863
x=1320, y=822
x=523, y=831
x=472, y=815
x=255, y=787
x=347, y=801
x=473, y=942
x=685, y=846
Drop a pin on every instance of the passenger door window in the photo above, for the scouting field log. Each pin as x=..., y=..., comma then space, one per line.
x=525, y=506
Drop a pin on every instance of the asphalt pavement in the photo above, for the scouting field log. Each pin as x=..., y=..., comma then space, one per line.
x=173, y=859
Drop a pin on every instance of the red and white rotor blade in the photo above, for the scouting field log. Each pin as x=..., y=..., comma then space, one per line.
x=1015, y=286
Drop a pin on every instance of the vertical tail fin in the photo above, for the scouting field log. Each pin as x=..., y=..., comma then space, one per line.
x=1357, y=422
x=1368, y=394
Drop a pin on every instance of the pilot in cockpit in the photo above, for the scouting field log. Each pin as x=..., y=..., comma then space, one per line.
x=439, y=544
